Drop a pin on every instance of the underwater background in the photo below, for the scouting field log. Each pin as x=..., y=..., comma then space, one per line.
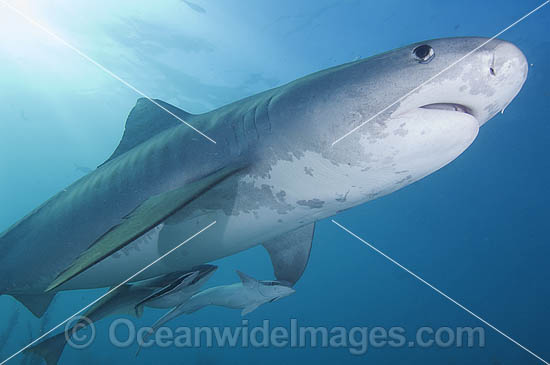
x=477, y=229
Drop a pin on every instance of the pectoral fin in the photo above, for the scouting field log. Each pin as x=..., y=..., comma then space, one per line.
x=249, y=309
x=290, y=253
x=148, y=215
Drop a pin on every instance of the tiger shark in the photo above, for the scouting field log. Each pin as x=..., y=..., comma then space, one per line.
x=272, y=173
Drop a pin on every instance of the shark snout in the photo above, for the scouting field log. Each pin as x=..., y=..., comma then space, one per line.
x=506, y=72
x=508, y=61
x=492, y=77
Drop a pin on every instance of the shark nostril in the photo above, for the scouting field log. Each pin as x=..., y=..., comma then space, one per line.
x=492, y=66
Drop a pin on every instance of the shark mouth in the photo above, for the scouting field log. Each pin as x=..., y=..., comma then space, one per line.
x=450, y=107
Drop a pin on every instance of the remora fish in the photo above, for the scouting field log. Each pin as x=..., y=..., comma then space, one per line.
x=273, y=172
x=247, y=295
x=180, y=290
x=128, y=300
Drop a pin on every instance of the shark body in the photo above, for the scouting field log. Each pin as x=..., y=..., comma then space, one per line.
x=274, y=171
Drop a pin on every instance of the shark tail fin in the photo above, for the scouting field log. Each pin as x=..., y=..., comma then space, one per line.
x=50, y=349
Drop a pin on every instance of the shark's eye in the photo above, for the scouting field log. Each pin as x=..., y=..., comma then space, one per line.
x=423, y=53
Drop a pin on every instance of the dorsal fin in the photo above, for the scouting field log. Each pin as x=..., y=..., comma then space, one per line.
x=247, y=280
x=145, y=121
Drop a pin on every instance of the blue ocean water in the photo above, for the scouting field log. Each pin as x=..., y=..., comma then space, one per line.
x=476, y=229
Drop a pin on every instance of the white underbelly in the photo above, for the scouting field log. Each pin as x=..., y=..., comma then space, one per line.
x=229, y=235
x=246, y=221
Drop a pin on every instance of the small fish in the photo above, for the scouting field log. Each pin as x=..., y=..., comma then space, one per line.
x=180, y=290
x=82, y=169
x=195, y=7
x=247, y=295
